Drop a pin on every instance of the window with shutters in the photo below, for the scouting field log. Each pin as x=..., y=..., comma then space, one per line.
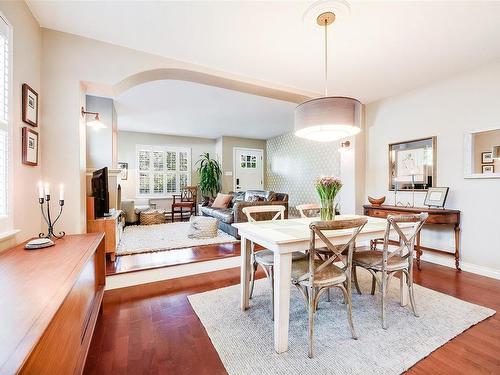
x=162, y=170
x=5, y=120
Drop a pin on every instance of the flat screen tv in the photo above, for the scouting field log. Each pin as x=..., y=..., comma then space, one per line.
x=100, y=192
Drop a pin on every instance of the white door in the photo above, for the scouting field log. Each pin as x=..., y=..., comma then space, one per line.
x=248, y=169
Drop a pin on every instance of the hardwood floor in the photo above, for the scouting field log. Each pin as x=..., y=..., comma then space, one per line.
x=139, y=262
x=152, y=329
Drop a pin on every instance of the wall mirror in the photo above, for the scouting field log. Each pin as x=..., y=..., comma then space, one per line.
x=412, y=164
x=482, y=153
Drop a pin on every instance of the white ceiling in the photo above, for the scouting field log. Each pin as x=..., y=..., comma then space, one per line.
x=191, y=109
x=383, y=48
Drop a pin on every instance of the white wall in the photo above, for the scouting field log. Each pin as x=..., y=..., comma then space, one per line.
x=100, y=141
x=445, y=109
x=27, y=51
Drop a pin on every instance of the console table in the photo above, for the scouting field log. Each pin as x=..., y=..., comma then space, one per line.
x=436, y=217
x=50, y=302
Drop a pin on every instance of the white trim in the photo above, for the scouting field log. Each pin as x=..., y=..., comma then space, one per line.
x=234, y=163
x=4, y=236
x=448, y=261
x=166, y=273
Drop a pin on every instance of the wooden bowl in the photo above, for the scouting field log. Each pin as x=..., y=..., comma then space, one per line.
x=376, y=201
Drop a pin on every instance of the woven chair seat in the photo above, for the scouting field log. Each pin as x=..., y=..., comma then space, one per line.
x=373, y=259
x=266, y=257
x=329, y=275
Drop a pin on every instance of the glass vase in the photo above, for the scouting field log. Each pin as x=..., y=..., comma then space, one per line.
x=327, y=211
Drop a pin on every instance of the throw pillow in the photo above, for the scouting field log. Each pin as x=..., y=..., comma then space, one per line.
x=222, y=200
x=254, y=198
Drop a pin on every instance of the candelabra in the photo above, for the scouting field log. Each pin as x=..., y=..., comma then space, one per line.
x=48, y=219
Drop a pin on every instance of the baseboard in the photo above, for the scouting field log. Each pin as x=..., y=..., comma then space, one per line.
x=165, y=273
x=449, y=261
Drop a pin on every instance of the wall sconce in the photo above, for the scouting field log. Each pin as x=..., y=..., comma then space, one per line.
x=345, y=146
x=495, y=153
x=95, y=123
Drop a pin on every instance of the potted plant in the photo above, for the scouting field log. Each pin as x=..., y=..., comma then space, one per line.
x=328, y=188
x=210, y=174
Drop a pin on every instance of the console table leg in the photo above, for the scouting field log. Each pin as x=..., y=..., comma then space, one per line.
x=457, y=247
x=419, y=252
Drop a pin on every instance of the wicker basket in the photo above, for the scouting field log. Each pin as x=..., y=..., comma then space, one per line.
x=151, y=217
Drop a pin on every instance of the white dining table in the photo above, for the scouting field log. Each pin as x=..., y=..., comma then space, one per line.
x=283, y=237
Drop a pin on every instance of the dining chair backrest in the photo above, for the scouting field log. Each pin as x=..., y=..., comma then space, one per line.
x=406, y=246
x=317, y=232
x=277, y=209
x=308, y=210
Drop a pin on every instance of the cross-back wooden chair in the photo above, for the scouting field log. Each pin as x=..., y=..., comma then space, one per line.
x=265, y=258
x=387, y=262
x=313, y=276
x=308, y=210
x=185, y=202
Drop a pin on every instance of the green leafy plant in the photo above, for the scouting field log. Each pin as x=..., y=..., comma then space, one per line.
x=210, y=175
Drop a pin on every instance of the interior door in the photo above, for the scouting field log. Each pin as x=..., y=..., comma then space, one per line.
x=248, y=169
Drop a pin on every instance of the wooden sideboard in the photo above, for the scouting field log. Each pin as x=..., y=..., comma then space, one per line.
x=50, y=302
x=436, y=217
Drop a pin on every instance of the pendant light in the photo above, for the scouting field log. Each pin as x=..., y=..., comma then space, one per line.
x=328, y=118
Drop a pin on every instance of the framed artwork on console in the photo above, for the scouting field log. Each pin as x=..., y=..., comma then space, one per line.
x=30, y=105
x=30, y=147
x=123, y=167
x=436, y=196
x=412, y=164
x=490, y=168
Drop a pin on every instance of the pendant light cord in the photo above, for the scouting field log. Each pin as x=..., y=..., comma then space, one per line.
x=326, y=58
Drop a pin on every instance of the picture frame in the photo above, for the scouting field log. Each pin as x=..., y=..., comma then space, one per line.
x=29, y=146
x=487, y=157
x=123, y=167
x=30, y=106
x=436, y=196
x=489, y=168
x=412, y=164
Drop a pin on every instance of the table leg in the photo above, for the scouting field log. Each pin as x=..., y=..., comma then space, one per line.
x=282, y=277
x=457, y=247
x=245, y=272
x=403, y=290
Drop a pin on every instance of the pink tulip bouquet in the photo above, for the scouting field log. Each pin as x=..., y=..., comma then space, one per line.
x=328, y=188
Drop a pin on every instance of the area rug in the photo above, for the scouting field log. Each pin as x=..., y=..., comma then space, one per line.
x=244, y=340
x=138, y=239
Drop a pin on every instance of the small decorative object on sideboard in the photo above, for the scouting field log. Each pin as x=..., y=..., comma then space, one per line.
x=44, y=197
x=436, y=197
x=376, y=201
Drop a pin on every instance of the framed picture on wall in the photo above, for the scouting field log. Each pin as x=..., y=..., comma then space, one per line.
x=488, y=168
x=30, y=105
x=487, y=157
x=412, y=164
x=123, y=167
x=30, y=146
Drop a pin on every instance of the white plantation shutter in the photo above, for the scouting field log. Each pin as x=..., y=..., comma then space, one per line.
x=4, y=123
x=162, y=170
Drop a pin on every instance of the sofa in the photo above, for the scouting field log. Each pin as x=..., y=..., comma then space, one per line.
x=234, y=212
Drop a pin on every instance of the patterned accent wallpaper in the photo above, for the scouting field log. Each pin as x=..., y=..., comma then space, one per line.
x=293, y=164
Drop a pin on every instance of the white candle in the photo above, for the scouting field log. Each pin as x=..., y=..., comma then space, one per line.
x=47, y=189
x=61, y=192
x=40, y=189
